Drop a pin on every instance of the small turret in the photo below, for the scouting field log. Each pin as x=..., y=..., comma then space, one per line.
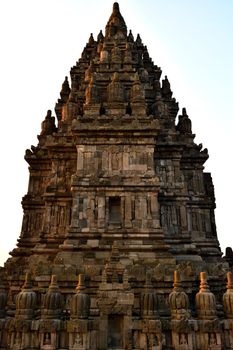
x=146, y=56
x=91, y=40
x=53, y=301
x=228, y=255
x=178, y=300
x=228, y=297
x=149, y=301
x=138, y=40
x=100, y=37
x=205, y=300
x=26, y=300
x=80, y=303
x=130, y=37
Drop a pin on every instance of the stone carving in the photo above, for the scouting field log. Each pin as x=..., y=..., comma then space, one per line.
x=116, y=55
x=137, y=92
x=116, y=90
x=104, y=55
x=92, y=91
x=128, y=58
x=184, y=125
x=166, y=89
x=48, y=125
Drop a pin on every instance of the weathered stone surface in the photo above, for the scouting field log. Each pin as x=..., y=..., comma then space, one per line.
x=117, y=195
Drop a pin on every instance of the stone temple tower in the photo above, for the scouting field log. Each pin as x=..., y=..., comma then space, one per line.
x=118, y=219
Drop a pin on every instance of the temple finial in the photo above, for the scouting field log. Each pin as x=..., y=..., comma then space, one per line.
x=138, y=40
x=130, y=37
x=116, y=26
x=100, y=37
x=116, y=7
x=176, y=283
x=91, y=40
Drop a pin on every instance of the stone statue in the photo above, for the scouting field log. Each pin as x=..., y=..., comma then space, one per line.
x=184, y=125
x=166, y=88
x=48, y=125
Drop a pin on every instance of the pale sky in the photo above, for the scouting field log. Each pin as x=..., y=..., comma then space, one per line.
x=191, y=40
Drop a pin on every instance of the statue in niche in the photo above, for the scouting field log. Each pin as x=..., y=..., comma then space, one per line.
x=47, y=339
x=116, y=54
x=78, y=341
x=183, y=342
x=116, y=159
x=212, y=339
x=183, y=339
x=153, y=342
x=61, y=181
x=92, y=91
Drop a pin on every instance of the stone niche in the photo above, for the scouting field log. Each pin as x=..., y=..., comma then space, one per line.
x=115, y=331
x=115, y=217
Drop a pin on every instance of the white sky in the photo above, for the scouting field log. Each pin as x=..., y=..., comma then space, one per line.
x=41, y=39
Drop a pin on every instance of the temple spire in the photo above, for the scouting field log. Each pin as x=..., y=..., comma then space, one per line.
x=116, y=25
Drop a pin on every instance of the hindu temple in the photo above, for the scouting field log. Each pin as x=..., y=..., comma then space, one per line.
x=118, y=247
